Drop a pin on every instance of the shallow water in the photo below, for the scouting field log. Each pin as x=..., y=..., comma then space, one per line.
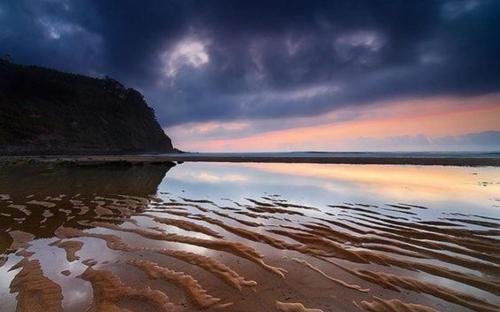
x=249, y=237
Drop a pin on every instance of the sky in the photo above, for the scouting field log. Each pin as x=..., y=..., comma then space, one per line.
x=373, y=75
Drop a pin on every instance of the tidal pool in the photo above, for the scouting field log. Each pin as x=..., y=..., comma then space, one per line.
x=249, y=237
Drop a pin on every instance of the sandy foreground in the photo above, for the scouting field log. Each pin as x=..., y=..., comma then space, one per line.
x=339, y=158
x=147, y=254
x=101, y=239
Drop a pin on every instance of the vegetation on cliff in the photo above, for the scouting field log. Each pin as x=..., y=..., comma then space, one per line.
x=44, y=111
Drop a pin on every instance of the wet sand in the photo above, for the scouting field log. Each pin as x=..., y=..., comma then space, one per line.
x=424, y=159
x=105, y=239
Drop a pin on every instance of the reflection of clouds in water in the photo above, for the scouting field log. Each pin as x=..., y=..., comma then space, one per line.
x=254, y=229
x=444, y=188
x=135, y=240
x=191, y=248
x=7, y=299
x=412, y=182
x=76, y=292
x=74, y=298
x=52, y=261
x=453, y=285
x=209, y=177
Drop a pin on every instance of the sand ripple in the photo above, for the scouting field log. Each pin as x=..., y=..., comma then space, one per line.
x=365, y=255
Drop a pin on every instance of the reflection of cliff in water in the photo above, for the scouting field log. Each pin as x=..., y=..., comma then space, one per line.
x=40, y=198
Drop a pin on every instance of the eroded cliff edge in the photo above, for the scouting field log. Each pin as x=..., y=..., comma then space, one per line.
x=44, y=111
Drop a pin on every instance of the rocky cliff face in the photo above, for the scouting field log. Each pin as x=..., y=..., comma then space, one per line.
x=43, y=111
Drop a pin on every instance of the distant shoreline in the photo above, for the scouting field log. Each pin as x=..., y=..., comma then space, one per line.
x=425, y=159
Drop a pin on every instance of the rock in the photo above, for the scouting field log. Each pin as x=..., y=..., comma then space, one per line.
x=44, y=111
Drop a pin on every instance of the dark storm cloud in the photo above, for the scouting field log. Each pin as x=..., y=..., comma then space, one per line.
x=220, y=60
x=480, y=141
x=47, y=33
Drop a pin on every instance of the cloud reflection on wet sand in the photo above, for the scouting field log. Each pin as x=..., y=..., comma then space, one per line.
x=285, y=244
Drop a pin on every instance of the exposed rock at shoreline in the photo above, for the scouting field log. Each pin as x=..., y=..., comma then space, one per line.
x=44, y=111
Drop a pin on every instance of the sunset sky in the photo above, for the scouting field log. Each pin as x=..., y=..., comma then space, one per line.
x=284, y=75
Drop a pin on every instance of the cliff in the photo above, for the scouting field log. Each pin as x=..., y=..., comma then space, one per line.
x=44, y=111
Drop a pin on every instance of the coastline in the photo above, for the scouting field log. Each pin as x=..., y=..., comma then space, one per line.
x=337, y=158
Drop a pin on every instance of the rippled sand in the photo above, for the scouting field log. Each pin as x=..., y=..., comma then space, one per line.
x=104, y=239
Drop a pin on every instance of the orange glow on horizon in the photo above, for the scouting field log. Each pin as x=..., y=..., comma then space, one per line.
x=432, y=117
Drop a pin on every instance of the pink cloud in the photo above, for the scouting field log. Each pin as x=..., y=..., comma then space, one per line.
x=431, y=117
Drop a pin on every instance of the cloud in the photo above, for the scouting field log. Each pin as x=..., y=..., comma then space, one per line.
x=254, y=60
x=390, y=125
x=187, y=52
x=482, y=141
x=50, y=33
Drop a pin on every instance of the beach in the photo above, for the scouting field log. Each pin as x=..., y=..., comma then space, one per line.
x=249, y=237
x=361, y=158
x=250, y=156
